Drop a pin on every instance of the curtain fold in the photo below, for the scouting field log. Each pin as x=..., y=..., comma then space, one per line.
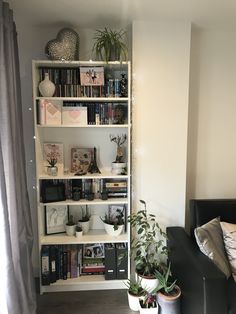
x=17, y=291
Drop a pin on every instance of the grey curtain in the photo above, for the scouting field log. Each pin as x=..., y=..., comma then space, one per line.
x=17, y=294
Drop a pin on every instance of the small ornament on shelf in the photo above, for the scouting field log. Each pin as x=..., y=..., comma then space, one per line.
x=47, y=87
x=93, y=167
x=123, y=85
x=119, y=166
x=52, y=169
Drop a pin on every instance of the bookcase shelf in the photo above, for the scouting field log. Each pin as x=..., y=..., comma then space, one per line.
x=83, y=283
x=93, y=236
x=110, y=201
x=100, y=121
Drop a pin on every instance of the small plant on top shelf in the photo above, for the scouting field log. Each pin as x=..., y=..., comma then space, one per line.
x=109, y=45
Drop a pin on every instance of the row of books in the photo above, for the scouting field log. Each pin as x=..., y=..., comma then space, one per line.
x=82, y=82
x=56, y=112
x=113, y=188
x=71, y=261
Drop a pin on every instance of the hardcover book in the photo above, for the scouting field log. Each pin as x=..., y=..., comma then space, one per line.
x=53, y=150
x=50, y=112
x=74, y=115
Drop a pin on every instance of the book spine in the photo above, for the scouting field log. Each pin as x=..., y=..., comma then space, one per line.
x=42, y=112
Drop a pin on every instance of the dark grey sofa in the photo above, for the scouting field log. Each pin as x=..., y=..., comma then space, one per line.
x=205, y=289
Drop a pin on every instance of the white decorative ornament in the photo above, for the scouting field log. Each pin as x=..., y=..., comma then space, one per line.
x=46, y=87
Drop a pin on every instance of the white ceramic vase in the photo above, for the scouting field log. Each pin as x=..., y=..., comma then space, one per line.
x=133, y=302
x=110, y=230
x=79, y=234
x=85, y=225
x=153, y=310
x=118, y=167
x=70, y=230
x=147, y=283
x=46, y=87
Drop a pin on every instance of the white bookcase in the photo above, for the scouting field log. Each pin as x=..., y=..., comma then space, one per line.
x=89, y=136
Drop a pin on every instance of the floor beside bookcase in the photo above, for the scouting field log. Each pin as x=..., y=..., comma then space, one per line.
x=84, y=302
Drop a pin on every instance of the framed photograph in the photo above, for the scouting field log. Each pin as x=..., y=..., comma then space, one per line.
x=81, y=159
x=56, y=216
x=95, y=250
x=91, y=76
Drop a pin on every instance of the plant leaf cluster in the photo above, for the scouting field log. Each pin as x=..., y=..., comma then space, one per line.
x=116, y=221
x=109, y=42
x=85, y=214
x=148, y=246
x=165, y=283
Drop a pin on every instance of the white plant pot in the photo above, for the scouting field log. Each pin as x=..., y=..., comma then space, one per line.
x=133, y=302
x=85, y=225
x=70, y=230
x=79, y=234
x=110, y=230
x=153, y=310
x=148, y=284
x=118, y=167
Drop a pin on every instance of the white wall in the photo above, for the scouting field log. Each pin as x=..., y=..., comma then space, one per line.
x=161, y=58
x=212, y=127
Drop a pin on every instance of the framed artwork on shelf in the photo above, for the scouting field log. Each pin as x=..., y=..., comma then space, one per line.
x=81, y=159
x=91, y=76
x=55, y=218
x=93, y=250
x=53, y=151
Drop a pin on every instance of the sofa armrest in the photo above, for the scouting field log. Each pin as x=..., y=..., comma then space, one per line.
x=203, y=285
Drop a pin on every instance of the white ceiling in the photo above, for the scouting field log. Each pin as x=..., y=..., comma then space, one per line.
x=99, y=13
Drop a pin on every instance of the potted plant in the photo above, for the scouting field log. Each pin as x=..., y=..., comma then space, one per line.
x=168, y=293
x=70, y=226
x=135, y=291
x=119, y=166
x=147, y=246
x=52, y=169
x=109, y=45
x=78, y=232
x=84, y=222
x=114, y=222
x=148, y=304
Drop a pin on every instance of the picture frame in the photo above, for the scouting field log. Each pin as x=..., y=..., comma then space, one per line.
x=93, y=250
x=92, y=76
x=56, y=217
x=81, y=159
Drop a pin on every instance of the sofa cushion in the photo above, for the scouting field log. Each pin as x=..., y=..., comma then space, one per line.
x=229, y=236
x=209, y=238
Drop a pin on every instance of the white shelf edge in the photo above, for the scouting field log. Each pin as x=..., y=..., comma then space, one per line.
x=93, y=236
x=115, y=201
x=89, y=282
x=103, y=175
x=87, y=99
x=84, y=126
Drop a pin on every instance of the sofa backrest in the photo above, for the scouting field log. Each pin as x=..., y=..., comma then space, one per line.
x=202, y=211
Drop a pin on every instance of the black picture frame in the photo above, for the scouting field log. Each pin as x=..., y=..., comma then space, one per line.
x=56, y=217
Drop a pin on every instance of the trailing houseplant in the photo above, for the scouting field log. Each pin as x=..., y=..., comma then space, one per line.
x=148, y=245
x=168, y=293
x=109, y=45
